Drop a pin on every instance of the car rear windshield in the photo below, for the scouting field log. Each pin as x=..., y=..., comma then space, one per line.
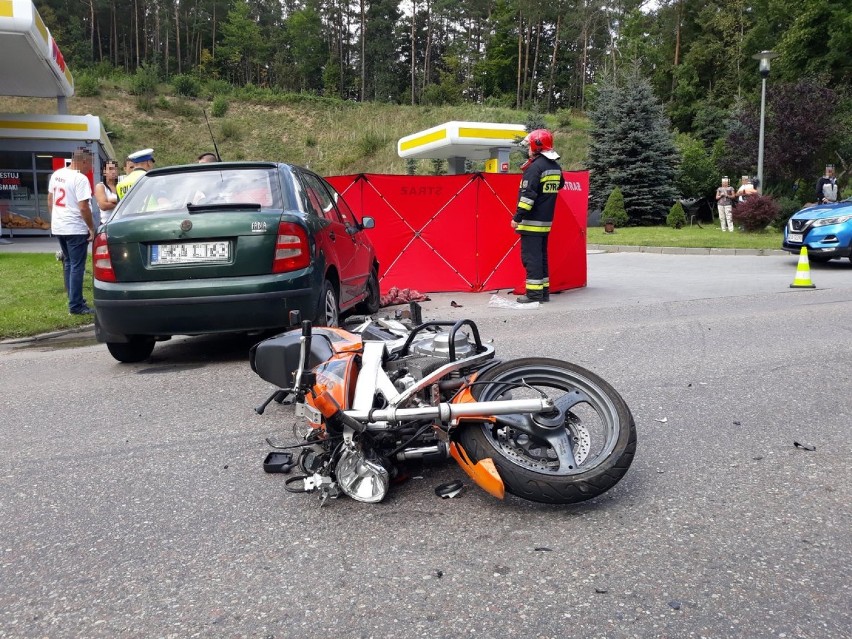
x=222, y=189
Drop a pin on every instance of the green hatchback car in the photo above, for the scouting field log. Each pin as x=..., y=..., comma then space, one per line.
x=227, y=248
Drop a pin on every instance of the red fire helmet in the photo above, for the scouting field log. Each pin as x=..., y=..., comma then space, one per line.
x=539, y=141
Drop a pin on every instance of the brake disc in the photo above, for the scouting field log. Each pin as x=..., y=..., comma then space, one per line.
x=582, y=442
x=533, y=454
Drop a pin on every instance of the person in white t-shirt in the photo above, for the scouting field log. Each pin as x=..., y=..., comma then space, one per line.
x=68, y=201
x=105, y=194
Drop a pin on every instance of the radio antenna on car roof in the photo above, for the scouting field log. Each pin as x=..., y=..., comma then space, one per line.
x=215, y=148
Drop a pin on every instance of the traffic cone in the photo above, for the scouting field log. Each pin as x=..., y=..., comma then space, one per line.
x=803, y=271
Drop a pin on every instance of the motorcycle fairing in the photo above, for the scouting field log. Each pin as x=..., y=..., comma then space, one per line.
x=337, y=377
x=483, y=472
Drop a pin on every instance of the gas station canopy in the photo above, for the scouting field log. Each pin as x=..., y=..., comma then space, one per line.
x=32, y=64
x=83, y=130
x=470, y=140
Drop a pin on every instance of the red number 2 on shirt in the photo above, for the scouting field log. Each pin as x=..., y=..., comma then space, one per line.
x=60, y=197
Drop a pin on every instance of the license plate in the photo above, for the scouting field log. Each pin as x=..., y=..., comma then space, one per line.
x=795, y=237
x=190, y=253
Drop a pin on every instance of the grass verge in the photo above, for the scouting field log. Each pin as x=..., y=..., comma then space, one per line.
x=32, y=295
x=708, y=236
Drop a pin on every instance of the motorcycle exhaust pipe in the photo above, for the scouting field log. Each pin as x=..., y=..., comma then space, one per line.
x=446, y=412
x=437, y=453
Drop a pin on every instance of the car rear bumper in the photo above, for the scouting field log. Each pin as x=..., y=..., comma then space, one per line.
x=225, y=305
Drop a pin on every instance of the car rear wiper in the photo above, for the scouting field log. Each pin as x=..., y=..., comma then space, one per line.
x=223, y=206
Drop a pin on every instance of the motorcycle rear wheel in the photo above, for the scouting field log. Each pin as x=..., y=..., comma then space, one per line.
x=601, y=433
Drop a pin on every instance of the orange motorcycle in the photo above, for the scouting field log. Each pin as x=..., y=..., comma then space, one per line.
x=391, y=391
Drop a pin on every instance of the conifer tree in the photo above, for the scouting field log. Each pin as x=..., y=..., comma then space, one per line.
x=603, y=117
x=633, y=149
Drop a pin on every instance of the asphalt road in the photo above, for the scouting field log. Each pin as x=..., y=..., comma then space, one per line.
x=133, y=501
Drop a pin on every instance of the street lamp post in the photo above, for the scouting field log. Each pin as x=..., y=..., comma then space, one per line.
x=764, y=57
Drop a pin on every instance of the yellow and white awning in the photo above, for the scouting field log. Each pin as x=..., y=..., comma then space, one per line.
x=79, y=128
x=470, y=140
x=31, y=63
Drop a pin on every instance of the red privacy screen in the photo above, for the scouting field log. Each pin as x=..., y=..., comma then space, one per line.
x=453, y=232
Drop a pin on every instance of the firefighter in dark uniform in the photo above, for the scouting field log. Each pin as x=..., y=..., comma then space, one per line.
x=540, y=183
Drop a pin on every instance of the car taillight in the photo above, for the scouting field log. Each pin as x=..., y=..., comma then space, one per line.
x=101, y=260
x=291, y=248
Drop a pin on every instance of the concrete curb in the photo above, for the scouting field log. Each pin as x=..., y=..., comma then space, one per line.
x=674, y=250
x=46, y=336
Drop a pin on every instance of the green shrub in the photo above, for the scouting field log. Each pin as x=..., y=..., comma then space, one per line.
x=145, y=104
x=217, y=87
x=229, y=130
x=163, y=103
x=310, y=141
x=220, y=107
x=614, y=208
x=186, y=86
x=410, y=166
x=756, y=213
x=144, y=82
x=676, y=217
x=437, y=166
x=441, y=94
x=370, y=143
x=502, y=101
x=564, y=118
x=114, y=131
x=184, y=109
x=696, y=175
x=86, y=86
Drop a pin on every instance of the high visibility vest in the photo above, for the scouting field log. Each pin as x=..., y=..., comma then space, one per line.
x=125, y=183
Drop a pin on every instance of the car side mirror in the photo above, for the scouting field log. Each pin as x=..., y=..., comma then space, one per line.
x=368, y=223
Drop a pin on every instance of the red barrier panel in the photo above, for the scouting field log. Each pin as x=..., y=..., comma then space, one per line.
x=453, y=232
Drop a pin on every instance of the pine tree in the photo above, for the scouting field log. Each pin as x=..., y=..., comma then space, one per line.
x=603, y=117
x=632, y=148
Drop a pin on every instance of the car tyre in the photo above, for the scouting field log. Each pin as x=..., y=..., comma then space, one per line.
x=136, y=350
x=328, y=313
x=372, y=302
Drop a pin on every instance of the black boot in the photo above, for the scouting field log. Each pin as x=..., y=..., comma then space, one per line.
x=545, y=297
x=525, y=299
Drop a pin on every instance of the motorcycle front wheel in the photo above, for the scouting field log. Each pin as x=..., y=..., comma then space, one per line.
x=577, y=455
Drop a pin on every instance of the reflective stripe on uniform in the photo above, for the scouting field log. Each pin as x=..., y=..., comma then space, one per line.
x=534, y=285
x=534, y=226
x=524, y=205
